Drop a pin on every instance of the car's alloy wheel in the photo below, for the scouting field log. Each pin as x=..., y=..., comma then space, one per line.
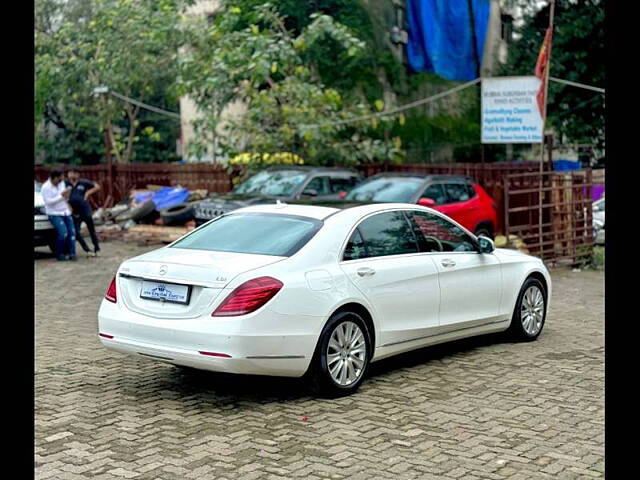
x=346, y=353
x=342, y=356
x=530, y=312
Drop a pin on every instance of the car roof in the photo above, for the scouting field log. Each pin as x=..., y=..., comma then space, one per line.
x=321, y=213
x=424, y=176
x=313, y=169
x=282, y=208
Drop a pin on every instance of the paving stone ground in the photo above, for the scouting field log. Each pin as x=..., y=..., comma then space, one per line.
x=481, y=408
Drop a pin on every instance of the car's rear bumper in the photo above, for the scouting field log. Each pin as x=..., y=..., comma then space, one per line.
x=232, y=345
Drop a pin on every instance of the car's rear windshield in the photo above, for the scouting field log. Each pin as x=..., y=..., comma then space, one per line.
x=386, y=189
x=256, y=233
x=277, y=183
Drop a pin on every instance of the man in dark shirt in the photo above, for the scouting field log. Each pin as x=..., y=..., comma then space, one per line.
x=81, y=190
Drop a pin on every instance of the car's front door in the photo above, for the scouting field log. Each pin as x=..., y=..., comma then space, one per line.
x=317, y=188
x=470, y=282
x=382, y=259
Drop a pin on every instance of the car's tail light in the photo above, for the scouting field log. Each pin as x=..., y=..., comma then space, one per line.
x=248, y=297
x=342, y=194
x=111, y=294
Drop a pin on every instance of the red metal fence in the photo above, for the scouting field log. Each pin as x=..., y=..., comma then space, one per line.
x=565, y=232
x=217, y=179
x=551, y=213
x=211, y=177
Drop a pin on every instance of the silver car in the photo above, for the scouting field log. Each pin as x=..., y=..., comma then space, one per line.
x=598, y=221
x=44, y=233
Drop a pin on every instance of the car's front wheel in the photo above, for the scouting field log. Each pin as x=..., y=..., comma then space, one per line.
x=342, y=355
x=530, y=312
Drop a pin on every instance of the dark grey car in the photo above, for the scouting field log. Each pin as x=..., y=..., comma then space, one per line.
x=286, y=183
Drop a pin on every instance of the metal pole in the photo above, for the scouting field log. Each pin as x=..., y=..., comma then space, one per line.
x=476, y=56
x=544, y=120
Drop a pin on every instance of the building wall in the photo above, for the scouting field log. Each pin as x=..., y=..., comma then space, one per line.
x=188, y=109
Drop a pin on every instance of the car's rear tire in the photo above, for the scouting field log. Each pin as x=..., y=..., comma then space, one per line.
x=342, y=356
x=530, y=312
x=51, y=243
x=485, y=229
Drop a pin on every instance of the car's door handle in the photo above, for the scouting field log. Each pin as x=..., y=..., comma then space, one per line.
x=447, y=262
x=366, y=272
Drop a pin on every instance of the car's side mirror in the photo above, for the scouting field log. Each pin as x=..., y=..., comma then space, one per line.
x=486, y=244
x=310, y=192
x=427, y=202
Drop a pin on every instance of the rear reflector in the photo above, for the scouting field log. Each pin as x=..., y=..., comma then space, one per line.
x=214, y=354
x=105, y=335
x=248, y=297
x=111, y=294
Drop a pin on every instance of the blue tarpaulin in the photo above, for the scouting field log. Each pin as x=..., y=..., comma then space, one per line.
x=166, y=197
x=441, y=39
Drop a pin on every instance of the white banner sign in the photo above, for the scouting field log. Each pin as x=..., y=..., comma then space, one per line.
x=510, y=111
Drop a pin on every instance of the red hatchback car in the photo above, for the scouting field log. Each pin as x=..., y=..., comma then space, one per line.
x=458, y=197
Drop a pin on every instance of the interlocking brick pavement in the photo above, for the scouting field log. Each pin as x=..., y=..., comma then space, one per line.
x=479, y=408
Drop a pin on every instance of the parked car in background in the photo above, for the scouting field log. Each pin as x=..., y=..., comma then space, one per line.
x=44, y=234
x=280, y=183
x=293, y=289
x=458, y=197
x=598, y=221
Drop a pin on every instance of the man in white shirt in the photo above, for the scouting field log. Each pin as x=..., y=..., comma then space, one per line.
x=55, y=197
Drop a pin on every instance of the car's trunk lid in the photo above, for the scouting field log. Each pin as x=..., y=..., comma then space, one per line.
x=204, y=273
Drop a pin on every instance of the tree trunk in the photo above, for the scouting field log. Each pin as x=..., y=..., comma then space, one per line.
x=132, y=114
x=112, y=141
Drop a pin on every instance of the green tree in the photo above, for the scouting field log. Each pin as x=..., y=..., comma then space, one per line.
x=577, y=55
x=129, y=46
x=256, y=59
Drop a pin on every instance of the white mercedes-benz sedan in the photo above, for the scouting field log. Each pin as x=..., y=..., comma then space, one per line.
x=291, y=290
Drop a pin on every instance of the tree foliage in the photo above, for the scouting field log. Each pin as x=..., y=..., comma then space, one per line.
x=131, y=47
x=254, y=58
x=577, y=55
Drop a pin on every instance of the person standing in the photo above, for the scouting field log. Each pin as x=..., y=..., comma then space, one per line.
x=81, y=190
x=55, y=195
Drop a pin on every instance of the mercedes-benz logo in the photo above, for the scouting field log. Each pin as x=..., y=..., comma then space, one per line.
x=163, y=269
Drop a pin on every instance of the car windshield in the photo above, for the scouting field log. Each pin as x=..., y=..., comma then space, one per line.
x=255, y=233
x=277, y=183
x=386, y=189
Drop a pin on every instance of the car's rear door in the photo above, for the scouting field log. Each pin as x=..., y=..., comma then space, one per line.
x=382, y=259
x=461, y=204
x=470, y=282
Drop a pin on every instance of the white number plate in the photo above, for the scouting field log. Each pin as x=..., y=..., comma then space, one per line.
x=165, y=292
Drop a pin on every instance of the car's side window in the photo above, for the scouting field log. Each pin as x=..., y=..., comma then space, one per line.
x=355, y=247
x=388, y=233
x=436, y=193
x=471, y=190
x=343, y=184
x=456, y=192
x=319, y=184
x=436, y=234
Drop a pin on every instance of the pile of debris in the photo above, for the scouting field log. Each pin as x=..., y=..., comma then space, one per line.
x=154, y=234
x=513, y=241
x=152, y=216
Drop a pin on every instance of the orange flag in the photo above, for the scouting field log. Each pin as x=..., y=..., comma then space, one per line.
x=541, y=69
